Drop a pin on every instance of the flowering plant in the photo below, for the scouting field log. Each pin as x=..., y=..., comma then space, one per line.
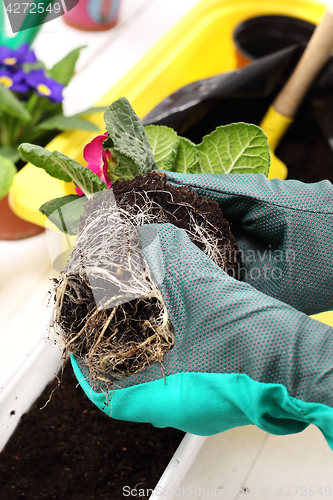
x=31, y=100
x=128, y=149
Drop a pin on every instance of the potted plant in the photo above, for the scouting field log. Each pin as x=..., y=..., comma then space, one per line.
x=31, y=110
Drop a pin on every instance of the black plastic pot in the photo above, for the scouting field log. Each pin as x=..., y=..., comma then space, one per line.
x=259, y=36
x=244, y=96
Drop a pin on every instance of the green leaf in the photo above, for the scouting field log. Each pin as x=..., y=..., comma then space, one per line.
x=164, y=144
x=127, y=140
x=7, y=174
x=10, y=153
x=61, y=122
x=126, y=168
x=63, y=70
x=238, y=148
x=60, y=166
x=92, y=110
x=27, y=67
x=187, y=160
x=11, y=105
x=65, y=212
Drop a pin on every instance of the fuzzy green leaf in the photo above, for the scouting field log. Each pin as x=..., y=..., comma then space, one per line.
x=127, y=138
x=60, y=166
x=126, y=168
x=164, y=144
x=7, y=174
x=11, y=105
x=238, y=148
x=187, y=160
x=65, y=212
x=63, y=70
x=60, y=122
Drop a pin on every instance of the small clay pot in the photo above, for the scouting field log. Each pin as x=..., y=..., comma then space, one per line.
x=260, y=36
x=13, y=227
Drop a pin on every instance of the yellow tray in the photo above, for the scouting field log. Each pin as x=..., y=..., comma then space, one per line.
x=197, y=47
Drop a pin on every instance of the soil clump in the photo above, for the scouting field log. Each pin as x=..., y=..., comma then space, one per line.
x=109, y=311
x=186, y=210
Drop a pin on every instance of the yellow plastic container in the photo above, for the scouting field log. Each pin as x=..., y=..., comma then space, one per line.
x=197, y=47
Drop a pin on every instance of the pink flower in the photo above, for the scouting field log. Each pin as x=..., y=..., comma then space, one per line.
x=98, y=160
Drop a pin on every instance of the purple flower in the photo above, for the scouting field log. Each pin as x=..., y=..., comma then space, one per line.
x=14, y=80
x=11, y=57
x=45, y=87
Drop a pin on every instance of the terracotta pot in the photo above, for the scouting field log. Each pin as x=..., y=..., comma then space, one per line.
x=13, y=227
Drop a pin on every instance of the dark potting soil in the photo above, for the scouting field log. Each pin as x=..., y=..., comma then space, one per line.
x=180, y=206
x=72, y=450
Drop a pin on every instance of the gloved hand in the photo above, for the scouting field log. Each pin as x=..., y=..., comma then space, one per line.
x=240, y=356
x=284, y=230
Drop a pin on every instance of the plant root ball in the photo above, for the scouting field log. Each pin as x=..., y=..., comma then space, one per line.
x=108, y=309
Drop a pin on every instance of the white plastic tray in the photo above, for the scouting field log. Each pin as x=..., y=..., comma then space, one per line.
x=36, y=369
x=27, y=381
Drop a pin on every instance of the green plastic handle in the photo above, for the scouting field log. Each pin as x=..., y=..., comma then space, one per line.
x=2, y=23
x=28, y=30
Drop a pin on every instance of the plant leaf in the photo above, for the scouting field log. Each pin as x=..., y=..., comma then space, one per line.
x=164, y=144
x=65, y=212
x=238, y=148
x=27, y=67
x=187, y=160
x=7, y=174
x=125, y=168
x=10, y=153
x=11, y=105
x=63, y=70
x=61, y=122
x=127, y=138
x=92, y=110
x=60, y=166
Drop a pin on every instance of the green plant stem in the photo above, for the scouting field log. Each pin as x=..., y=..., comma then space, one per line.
x=32, y=102
x=36, y=106
x=3, y=130
x=8, y=123
x=37, y=111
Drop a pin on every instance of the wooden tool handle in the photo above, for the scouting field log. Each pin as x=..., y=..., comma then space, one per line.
x=316, y=54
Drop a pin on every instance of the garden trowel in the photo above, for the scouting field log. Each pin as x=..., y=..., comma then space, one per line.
x=283, y=110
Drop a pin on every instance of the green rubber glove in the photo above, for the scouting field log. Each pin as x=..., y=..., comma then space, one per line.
x=284, y=230
x=240, y=356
